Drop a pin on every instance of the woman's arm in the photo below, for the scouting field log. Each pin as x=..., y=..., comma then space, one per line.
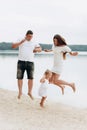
x=73, y=53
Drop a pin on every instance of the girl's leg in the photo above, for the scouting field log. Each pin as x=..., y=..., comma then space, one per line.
x=62, y=82
x=42, y=101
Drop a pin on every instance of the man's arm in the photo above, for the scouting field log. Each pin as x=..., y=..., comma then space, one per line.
x=16, y=45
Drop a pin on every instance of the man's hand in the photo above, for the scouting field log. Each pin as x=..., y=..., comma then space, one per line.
x=37, y=49
x=23, y=40
x=16, y=45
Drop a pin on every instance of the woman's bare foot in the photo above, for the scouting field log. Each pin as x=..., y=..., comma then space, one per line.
x=62, y=88
x=30, y=95
x=73, y=87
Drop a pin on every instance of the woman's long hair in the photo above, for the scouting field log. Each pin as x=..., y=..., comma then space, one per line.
x=60, y=42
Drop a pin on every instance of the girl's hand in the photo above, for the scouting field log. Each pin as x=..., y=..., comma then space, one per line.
x=42, y=80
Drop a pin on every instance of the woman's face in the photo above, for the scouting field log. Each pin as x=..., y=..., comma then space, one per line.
x=55, y=41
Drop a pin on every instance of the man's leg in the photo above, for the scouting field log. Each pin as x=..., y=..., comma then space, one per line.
x=30, y=87
x=30, y=74
x=20, y=84
x=20, y=75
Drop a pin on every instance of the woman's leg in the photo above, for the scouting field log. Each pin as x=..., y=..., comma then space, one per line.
x=52, y=79
x=58, y=82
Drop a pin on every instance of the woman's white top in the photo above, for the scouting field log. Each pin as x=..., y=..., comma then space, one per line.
x=58, y=57
x=43, y=88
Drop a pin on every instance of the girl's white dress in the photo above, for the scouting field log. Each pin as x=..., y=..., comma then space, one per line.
x=43, y=88
x=58, y=58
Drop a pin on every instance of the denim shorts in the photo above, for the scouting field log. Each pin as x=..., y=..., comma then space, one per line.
x=23, y=66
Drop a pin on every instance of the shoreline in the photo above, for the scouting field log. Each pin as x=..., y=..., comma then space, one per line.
x=13, y=52
x=25, y=114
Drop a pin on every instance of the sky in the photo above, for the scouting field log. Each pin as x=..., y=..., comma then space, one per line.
x=45, y=18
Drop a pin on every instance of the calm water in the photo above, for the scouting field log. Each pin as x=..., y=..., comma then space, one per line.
x=74, y=70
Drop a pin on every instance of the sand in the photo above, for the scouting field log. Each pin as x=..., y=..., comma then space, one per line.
x=25, y=114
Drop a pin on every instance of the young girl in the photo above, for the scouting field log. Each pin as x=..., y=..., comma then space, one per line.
x=60, y=49
x=44, y=86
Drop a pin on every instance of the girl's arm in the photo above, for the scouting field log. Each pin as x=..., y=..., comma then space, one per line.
x=46, y=50
x=73, y=53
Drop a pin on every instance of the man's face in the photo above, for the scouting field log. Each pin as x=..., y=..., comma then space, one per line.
x=29, y=37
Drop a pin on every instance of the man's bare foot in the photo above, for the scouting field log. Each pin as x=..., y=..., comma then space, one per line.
x=19, y=96
x=73, y=87
x=30, y=95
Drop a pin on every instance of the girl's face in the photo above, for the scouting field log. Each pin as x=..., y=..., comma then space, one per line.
x=55, y=41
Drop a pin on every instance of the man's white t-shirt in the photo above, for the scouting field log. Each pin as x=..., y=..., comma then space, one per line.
x=26, y=51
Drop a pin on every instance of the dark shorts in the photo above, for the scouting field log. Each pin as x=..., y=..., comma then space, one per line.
x=23, y=66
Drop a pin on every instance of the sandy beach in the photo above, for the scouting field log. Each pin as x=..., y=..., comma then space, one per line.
x=25, y=114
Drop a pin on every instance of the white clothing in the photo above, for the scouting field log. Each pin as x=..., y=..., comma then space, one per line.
x=26, y=51
x=58, y=58
x=43, y=88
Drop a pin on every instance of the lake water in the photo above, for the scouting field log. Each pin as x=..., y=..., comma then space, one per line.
x=74, y=71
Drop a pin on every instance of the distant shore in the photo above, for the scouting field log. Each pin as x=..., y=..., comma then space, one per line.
x=26, y=114
x=74, y=47
x=15, y=52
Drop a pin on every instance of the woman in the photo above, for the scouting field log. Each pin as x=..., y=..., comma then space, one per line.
x=60, y=49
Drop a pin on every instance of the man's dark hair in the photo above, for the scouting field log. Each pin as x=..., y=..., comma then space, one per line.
x=29, y=32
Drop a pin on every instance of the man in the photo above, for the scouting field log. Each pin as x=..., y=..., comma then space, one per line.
x=26, y=61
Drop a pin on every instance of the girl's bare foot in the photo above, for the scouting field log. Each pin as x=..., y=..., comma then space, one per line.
x=41, y=105
x=30, y=95
x=73, y=87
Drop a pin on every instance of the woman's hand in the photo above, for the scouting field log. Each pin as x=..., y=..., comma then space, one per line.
x=74, y=53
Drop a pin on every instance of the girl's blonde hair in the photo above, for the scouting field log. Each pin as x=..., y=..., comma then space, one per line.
x=47, y=72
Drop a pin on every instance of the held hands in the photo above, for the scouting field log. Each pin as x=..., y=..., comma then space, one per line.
x=46, y=50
